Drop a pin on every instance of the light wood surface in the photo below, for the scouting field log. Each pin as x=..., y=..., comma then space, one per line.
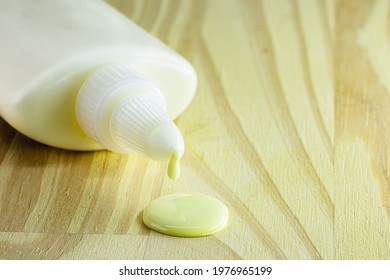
x=290, y=127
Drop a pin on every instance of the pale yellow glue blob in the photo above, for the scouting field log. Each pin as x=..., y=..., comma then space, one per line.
x=186, y=215
x=174, y=166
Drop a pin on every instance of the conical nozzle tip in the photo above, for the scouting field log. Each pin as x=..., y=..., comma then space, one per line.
x=163, y=141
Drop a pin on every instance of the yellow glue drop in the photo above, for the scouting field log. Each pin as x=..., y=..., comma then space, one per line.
x=174, y=166
x=186, y=215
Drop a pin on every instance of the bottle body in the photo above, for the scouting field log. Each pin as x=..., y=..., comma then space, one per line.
x=52, y=47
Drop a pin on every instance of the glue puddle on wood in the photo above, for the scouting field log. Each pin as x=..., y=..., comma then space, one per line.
x=186, y=215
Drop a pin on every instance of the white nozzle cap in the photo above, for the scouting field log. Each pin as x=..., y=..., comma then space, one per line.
x=124, y=111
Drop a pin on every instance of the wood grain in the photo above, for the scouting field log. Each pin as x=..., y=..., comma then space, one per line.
x=289, y=127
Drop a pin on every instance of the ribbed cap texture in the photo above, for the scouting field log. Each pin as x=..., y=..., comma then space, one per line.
x=133, y=121
x=141, y=107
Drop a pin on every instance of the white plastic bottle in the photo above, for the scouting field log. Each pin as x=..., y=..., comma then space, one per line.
x=77, y=74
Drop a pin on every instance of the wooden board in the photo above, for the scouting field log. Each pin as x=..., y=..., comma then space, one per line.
x=290, y=127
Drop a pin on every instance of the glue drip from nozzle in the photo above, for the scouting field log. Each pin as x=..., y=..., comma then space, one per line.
x=165, y=143
x=173, y=170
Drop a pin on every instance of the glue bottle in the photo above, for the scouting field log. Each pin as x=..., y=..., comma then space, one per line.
x=79, y=75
